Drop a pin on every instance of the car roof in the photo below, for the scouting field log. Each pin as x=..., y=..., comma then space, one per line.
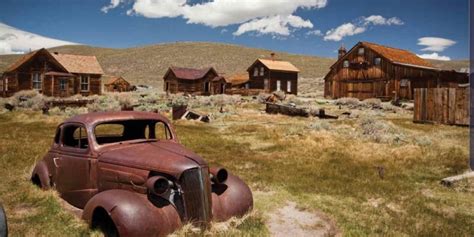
x=100, y=117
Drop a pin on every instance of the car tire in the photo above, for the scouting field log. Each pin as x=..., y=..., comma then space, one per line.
x=3, y=223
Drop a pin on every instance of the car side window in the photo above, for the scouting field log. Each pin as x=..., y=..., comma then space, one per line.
x=75, y=136
x=158, y=130
x=57, y=136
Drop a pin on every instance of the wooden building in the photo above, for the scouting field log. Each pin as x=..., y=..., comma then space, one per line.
x=273, y=75
x=239, y=80
x=194, y=81
x=370, y=70
x=53, y=74
x=117, y=84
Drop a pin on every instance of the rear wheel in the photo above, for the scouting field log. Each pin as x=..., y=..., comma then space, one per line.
x=102, y=221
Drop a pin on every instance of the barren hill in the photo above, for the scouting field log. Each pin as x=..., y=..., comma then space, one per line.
x=147, y=65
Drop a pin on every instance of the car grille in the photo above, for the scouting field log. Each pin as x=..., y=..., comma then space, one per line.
x=196, y=188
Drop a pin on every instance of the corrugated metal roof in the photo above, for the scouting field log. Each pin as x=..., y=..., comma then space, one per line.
x=190, y=73
x=278, y=65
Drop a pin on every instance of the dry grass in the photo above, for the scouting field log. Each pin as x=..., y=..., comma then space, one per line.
x=321, y=165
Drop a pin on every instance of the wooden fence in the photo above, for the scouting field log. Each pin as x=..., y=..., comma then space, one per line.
x=442, y=105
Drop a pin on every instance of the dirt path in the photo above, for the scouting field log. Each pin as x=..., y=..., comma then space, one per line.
x=289, y=221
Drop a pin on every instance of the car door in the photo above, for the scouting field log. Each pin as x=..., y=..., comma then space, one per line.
x=73, y=164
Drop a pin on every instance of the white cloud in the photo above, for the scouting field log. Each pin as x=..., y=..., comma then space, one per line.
x=435, y=44
x=273, y=25
x=113, y=4
x=342, y=31
x=380, y=20
x=13, y=40
x=360, y=26
x=315, y=32
x=251, y=15
x=435, y=56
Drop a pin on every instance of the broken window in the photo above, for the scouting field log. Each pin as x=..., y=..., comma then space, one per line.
x=131, y=130
x=75, y=136
x=404, y=83
x=377, y=61
x=84, y=83
x=346, y=63
x=62, y=84
x=37, y=85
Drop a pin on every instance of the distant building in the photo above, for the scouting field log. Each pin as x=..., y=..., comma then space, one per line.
x=193, y=81
x=239, y=80
x=117, y=84
x=53, y=74
x=370, y=70
x=273, y=75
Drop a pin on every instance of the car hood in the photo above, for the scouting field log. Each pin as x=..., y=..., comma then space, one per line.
x=163, y=156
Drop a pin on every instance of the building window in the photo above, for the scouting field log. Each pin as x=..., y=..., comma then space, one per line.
x=63, y=84
x=377, y=61
x=84, y=83
x=37, y=85
x=266, y=84
x=262, y=71
x=278, y=85
x=404, y=83
x=247, y=86
x=288, y=86
x=346, y=64
x=255, y=72
x=6, y=84
x=361, y=51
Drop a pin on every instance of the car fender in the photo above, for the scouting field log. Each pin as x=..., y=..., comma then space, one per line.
x=133, y=214
x=41, y=170
x=233, y=198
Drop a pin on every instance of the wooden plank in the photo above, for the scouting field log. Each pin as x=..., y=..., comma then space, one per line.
x=451, y=105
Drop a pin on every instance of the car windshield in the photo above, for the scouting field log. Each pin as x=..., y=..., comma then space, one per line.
x=132, y=131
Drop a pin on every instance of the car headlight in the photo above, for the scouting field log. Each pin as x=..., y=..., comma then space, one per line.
x=218, y=175
x=158, y=185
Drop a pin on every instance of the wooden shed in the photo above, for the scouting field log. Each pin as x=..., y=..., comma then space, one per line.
x=53, y=74
x=273, y=75
x=370, y=70
x=194, y=81
x=117, y=84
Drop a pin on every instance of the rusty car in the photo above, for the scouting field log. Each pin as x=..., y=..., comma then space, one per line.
x=132, y=177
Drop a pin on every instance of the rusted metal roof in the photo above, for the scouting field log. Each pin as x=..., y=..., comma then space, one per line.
x=71, y=63
x=59, y=74
x=99, y=117
x=278, y=65
x=395, y=55
x=190, y=73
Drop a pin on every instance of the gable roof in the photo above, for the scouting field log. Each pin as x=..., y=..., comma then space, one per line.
x=190, y=73
x=394, y=55
x=112, y=79
x=71, y=63
x=79, y=63
x=238, y=79
x=277, y=65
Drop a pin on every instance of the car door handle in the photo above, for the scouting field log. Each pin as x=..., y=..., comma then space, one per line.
x=56, y=162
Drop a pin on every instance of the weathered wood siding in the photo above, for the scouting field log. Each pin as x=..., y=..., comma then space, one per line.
x=173, y=84
x=258, y=81
x=442, y=105
x=364, y=79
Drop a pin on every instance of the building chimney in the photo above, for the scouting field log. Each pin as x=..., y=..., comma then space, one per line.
x=272, y=55
x=341, y=52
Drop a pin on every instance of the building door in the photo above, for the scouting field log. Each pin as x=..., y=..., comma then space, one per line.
x=278, y=85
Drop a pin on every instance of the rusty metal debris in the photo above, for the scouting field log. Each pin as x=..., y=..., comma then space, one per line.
x=292, y=110
x=134, y=178
x=182, y=112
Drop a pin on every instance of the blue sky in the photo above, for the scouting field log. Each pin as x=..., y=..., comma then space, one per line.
x=441, y=26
